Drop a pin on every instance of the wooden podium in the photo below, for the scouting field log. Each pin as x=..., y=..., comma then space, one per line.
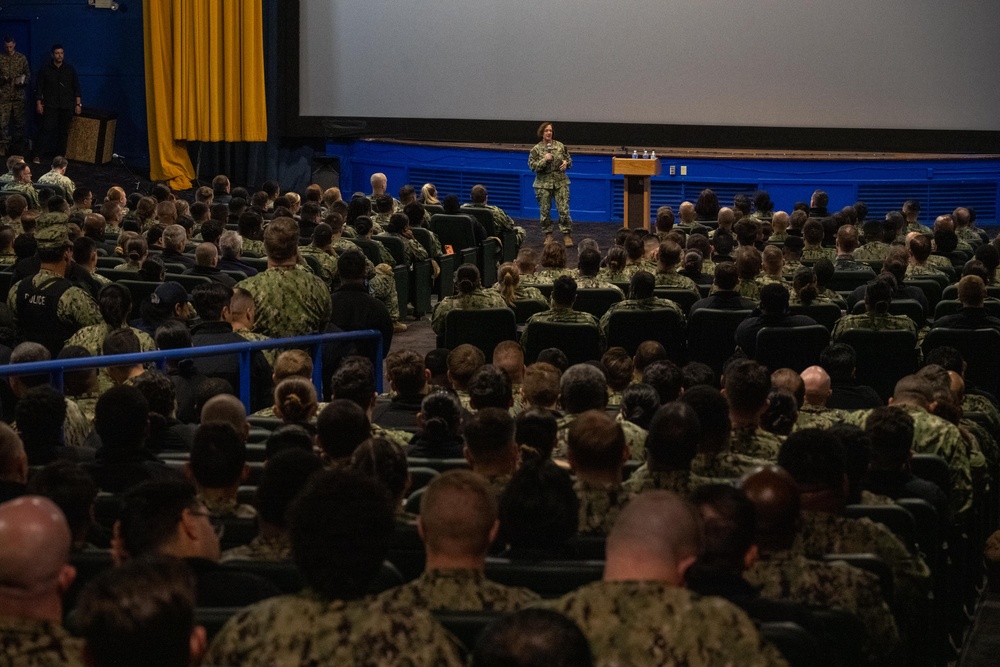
x=92, y=136
x=636, y=172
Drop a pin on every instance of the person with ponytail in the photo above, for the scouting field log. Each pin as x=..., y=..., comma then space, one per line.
x=295, y=402
x=878, y=296
x=510, y=288
x=469, y=295
x=135, y=251
x=804, y=289
x=440, y=423
x=614, y=268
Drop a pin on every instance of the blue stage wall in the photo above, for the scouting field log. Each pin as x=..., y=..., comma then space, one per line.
x=597, y=195
x=105, y=47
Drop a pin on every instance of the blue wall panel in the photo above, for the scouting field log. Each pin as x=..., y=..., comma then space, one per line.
x=596, y=195
x=105, y=47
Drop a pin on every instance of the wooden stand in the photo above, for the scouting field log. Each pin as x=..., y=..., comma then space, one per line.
x=636, y=173
x=92, y=136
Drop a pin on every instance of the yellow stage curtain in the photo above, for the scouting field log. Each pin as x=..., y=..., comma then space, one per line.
x=204, y=79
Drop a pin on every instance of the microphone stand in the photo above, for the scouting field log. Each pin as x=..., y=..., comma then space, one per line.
x=138, y=180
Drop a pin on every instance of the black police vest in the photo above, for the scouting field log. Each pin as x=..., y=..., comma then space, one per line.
x=37, y=318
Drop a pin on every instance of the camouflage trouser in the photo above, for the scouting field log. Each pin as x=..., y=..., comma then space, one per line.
x=12, y=118
x=544, y=197
x=383, y=288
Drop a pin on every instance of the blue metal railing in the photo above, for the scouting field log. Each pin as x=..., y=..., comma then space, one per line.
x=57, y=367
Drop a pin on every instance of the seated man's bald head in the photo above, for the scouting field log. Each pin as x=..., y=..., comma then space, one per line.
x=656, y=537
x=817, y=383
x=776, y=499
x=35, y=542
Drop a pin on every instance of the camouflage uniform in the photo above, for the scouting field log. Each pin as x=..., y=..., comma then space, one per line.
x=326, y=261
x=934, y=435
x=382, y=286
x=755, y=442
x=399, y=438
x=289, y=302
x=764, y=279
x=28, y=191
x=76, y=427
x=600, y=505
x=786, y=575
x=524, y=293
x=916, y=227
x=479, y=299
x=563, y=315
x=92, y=338
x=551, y=183
x=674, y=280
x=129, y=265
x=548, y=276
x=916, y=271
x=873, y=322
x=528, y=279
x=254, y=248
x=12, y=99
x=622, y=276
x=305, y=629
x=76, y=308
x=748, y=289
x=457, y=590
x=592, y=282
x=464, y=400
x=271, y=355
x=8, y=259
x=790, y=267
x=968, y=235
x=26, y=642
x=794, y=300
x=53, y=177
x=644, y=264
x=814, y=253
x=654, y=623
x=87, y=403
x=821, y=533
x=873, y=250
x=380, y=221
x=635, y=438
x=276, y=549
x=415, y=252
x=681, y=482
x=817, y=416
x=228, y=507
x=652, y=303
x=724, y=465
x=502, y=221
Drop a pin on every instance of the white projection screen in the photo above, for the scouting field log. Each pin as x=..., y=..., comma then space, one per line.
x=913, y=65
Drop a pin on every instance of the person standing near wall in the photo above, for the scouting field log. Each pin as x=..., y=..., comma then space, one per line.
x=57, y=99
x=550, y=160
x=14, y=75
